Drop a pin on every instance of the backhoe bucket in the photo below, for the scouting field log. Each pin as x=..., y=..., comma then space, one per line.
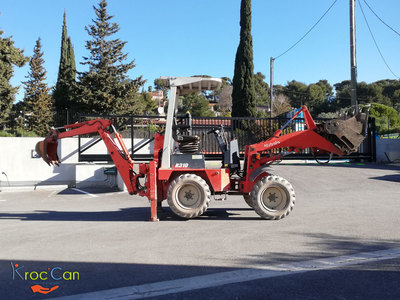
x=47, y=149
x=346, y=134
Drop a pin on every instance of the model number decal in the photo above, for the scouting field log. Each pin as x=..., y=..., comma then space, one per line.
x=181, y=165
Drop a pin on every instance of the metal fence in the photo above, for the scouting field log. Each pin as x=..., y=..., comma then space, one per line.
x=246, y=130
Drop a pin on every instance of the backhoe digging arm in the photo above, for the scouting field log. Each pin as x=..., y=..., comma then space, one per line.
x=47, y=149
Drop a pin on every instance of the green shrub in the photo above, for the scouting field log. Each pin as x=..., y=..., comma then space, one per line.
x=387, y=119
x=379, y=110
x=5, y=134
x=389, y=131
x=17, y=133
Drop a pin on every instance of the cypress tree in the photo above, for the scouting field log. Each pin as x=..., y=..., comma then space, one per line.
x=10, y=56
x=105, y=88
x=37, y=100
x=243, y=94
x=71, y=67
x=64, y=97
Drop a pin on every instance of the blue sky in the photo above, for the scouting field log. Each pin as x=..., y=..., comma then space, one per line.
x=191, y=37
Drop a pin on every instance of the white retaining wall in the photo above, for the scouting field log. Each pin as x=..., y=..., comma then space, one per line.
x=20, y=167
x=387, y=150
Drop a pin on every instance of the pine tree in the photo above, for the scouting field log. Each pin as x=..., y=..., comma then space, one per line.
x=37, y=100
x=105, y=88
x=243, y=94
x=197, y=104
x=10, y=56
x=63, y=95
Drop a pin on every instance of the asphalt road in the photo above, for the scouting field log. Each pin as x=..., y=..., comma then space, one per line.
x=101, y=240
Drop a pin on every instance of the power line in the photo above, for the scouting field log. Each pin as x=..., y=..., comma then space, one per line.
x=319, y=20
x=376, y=44
x=391, y=28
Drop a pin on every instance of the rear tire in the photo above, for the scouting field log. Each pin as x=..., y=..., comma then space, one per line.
x=273, y=197
x=188, y=196
x=247, y=199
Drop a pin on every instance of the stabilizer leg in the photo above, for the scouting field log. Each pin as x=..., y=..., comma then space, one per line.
x=153, y=192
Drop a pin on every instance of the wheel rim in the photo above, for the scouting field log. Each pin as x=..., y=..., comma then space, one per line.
x=274, y=198
x=188, y=196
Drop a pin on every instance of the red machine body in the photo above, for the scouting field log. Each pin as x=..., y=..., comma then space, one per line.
x=158, y=180
x=178, y=172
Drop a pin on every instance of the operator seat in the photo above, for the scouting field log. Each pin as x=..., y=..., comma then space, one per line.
x=186, y=143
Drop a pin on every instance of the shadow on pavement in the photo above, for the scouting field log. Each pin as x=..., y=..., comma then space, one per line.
x=91, y=277
x=374, y=280
x=328, y=245
x=392, y=177
x=122, y=215
x=369, y=281
x=134, y=214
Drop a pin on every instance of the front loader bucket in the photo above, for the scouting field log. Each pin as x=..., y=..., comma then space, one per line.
x=47, y=149
x=346, y=134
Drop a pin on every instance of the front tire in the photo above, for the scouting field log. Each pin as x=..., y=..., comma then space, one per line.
x=188, y=196
x=273, y=197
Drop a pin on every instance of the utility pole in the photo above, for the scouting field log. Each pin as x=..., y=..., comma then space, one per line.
x=353, y=62
x=271, y=84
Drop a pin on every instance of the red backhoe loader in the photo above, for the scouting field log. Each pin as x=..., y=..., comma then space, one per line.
x=178, y=172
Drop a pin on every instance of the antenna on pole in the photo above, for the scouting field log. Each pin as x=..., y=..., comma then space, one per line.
x=353, y=61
